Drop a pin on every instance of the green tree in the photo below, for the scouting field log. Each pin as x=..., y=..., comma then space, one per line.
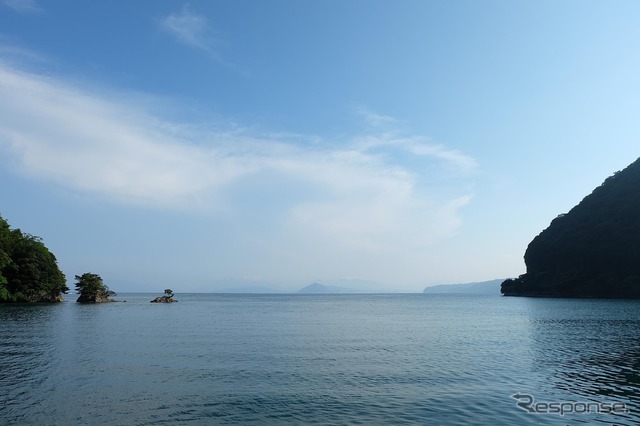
x=5, y=260
x=168, y=292
x=28, y=270
x=91, y=289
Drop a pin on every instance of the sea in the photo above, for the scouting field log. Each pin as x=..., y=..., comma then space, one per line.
x=374, y=359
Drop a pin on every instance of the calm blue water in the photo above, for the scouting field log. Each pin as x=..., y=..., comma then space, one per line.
x=300, y=359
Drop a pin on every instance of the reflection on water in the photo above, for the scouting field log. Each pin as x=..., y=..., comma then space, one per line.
x=358, y=359
x=591, y=348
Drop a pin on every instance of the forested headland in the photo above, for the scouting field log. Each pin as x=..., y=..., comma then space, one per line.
x=591, y=251
x=29, y=272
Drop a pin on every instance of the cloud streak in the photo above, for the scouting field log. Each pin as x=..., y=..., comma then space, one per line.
x=326, y=198
x=23, y=6
x=191, y=29
x=86, y=143
x=373, y=118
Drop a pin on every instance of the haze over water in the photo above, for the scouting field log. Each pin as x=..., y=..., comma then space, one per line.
x=339, y=359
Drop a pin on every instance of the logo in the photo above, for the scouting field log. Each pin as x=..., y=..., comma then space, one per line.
x=527, y=403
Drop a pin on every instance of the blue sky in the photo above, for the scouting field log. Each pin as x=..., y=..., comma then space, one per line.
x=218, y=144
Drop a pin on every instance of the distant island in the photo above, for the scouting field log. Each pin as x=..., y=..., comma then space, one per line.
x=482, y=287
x=317, y=288
x=29, y=272
x=346, y=286
x=593, y=251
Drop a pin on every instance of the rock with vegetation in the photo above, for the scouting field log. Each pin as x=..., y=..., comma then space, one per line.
x=167, y=298
x=92, y=289
x=592, y=251
x=28, y=270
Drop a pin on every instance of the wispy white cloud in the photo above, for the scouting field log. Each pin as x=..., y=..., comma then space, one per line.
x=190, y=28
x=386, y=138
x=84, y=142
x=24, y=6
x=325, y=198
x=19, y=55
x=419, y=146
x=373, y=118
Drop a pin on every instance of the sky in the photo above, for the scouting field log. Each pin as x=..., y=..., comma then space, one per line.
x=390, y=145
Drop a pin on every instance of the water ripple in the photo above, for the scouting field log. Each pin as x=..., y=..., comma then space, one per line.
x=394, y=359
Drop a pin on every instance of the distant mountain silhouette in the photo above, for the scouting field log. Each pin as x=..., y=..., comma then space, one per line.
x=483, y=287
x=321, y=288
x=593, y=250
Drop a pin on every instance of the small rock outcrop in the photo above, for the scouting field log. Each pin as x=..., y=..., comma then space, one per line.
x=94, y=298
x=51, y=298
x=167, y=298
x=163, y=299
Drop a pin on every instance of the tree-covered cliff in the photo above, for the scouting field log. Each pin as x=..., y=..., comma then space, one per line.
x=28, y=270
x=593, y=250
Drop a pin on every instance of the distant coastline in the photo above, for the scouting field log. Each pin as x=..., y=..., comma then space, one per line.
x=482, y=287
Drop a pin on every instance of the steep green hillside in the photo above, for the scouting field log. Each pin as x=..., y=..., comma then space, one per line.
x=592, y=251
x=28, y=270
